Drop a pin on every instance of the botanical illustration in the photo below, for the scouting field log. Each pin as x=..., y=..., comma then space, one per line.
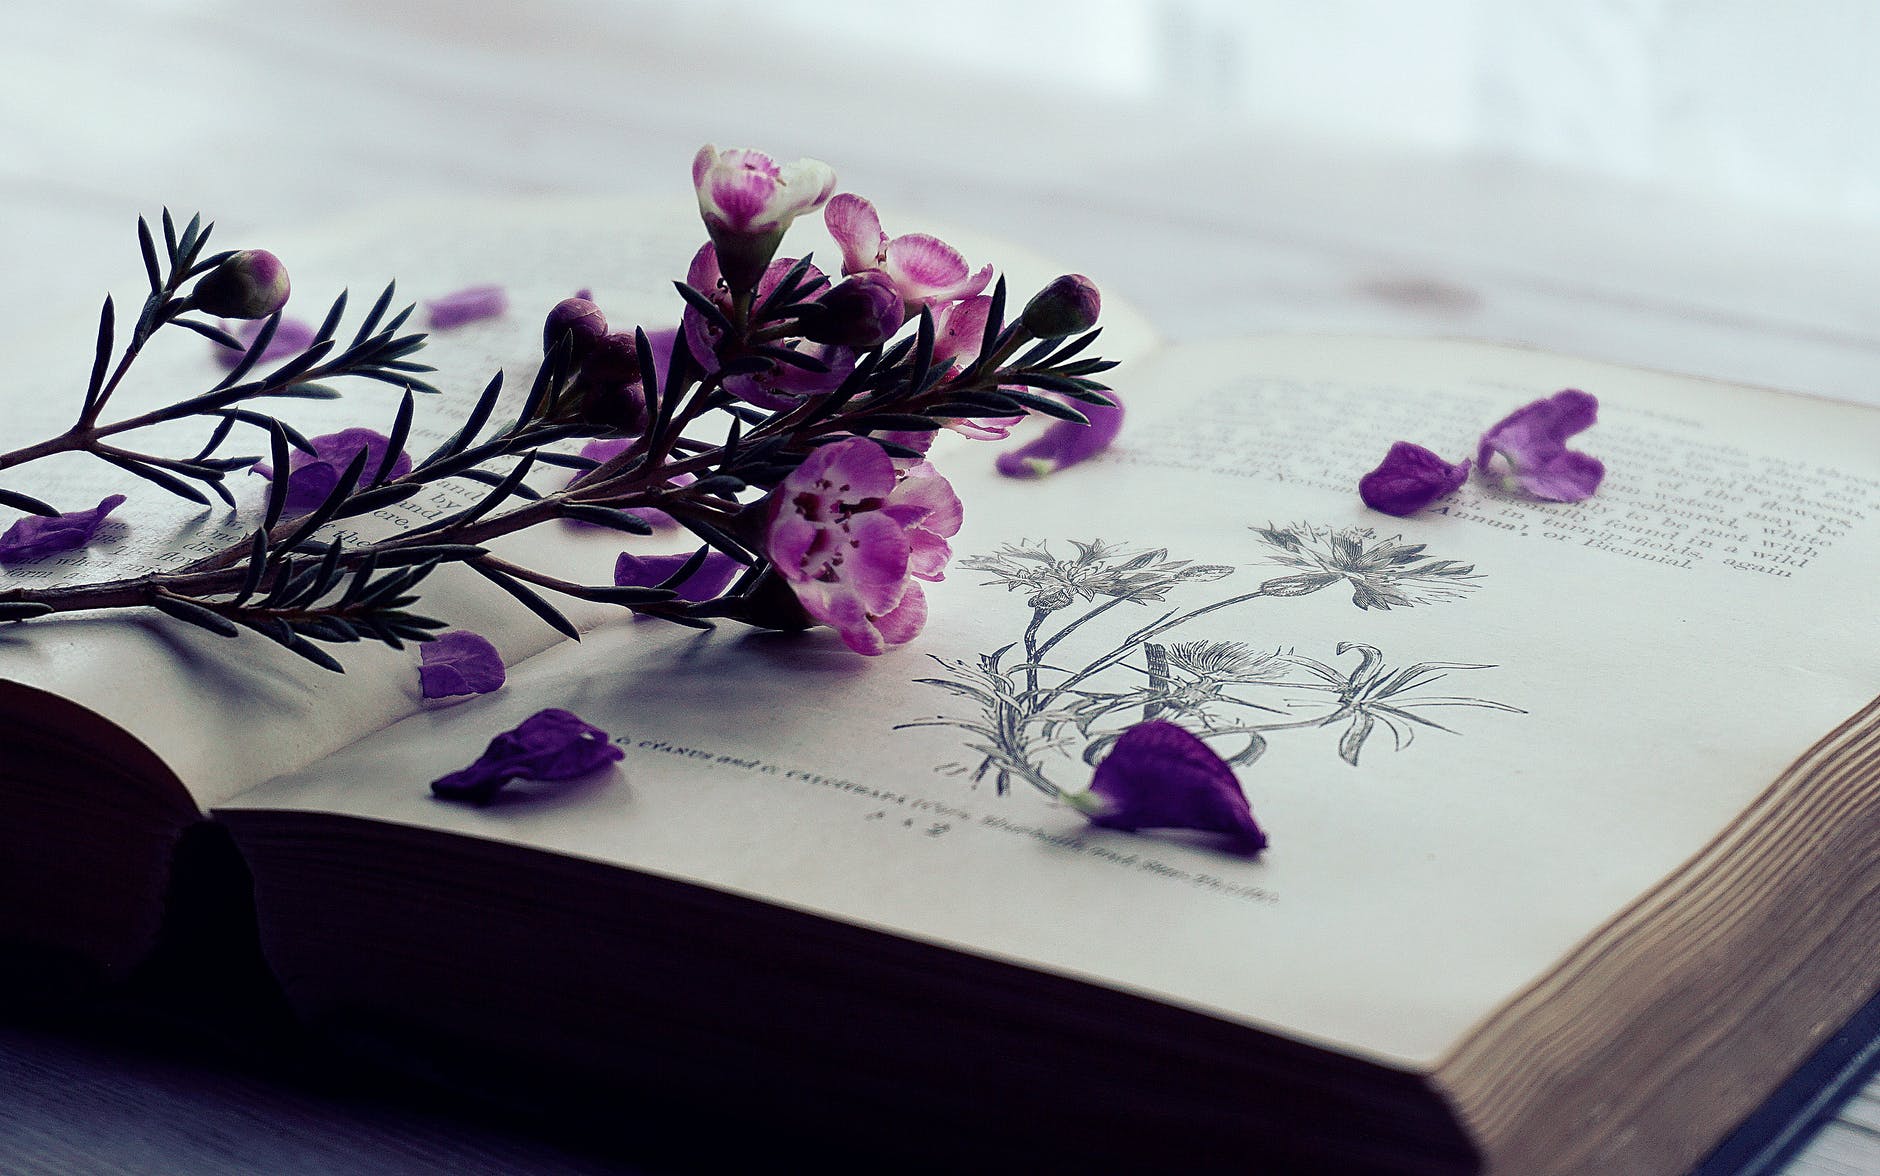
x=1055, y=700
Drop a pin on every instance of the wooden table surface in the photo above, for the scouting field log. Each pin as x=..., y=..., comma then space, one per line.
x=277, y=116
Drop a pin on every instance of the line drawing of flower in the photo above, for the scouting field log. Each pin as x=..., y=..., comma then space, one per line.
x=1037, y=710
x=1099, y=569
x=1384, y=573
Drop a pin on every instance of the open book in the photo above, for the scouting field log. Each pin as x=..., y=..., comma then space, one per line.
x=1573, y=814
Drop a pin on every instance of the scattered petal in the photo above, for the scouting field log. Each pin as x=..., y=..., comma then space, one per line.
x=1527, y=449
x=1065, y=443
x=1159, y=776
x=649, y=571
x=311, y=477
x=1409, y=479
x=37, y=535
x=290, y=338
x=466, y=306
x=459, y=662
x=548, y=745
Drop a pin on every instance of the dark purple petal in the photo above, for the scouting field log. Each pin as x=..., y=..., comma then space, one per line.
x=647, y=571
x=1158, y=776
x=37, y=535
x=1409, y=479
x=1531, y=445
x=290, y=338
x=466, y=306
x=459, y=662
x=1065, y=443
x=548, y=745
x=311, y=477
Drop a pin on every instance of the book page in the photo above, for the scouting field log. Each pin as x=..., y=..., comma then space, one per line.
x=226, y=714
x=1466, y=757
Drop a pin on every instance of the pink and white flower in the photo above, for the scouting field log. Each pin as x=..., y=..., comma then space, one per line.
x=748, y=199
x=926, y=270
x=748, y=193
x=851, y=535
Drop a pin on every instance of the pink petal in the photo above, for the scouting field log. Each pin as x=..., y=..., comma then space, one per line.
x=1065, y=443
x=905, y=621
x=924, y=267
x=959, y=328
x=1409, y=479
x=1569, y=477
x=875, y=564
x=856, y=228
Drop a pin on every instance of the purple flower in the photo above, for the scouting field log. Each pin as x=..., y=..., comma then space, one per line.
x=1158, y=776
x=250, y=284
x=1409, y=479
x=648, y=571
x=1531, y=445
x=459, y=662
x=780, y=385
x=926, y=271
x=548, y=745
x=311, y=477
x=1065, y=443
x=850, y=534
x=748, y=199
x=290, y=338
x=37, y=535
x=466, y=306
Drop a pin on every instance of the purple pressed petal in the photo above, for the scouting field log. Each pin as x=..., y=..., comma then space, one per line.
x=1569, y=477
x=548, y=745
x=37, y=535
x=1065, y=443
x=853, y=223
x=311, y=477
x=1409, y=479
x=291, y=337
x=459, y=662
x=1534, y=433
x=1159, y=776
x=468, y=305
x=647, y=571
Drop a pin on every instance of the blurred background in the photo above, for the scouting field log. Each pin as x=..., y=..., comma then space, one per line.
x=1681, y=184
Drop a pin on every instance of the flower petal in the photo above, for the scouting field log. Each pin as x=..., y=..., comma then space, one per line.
x=1065, y=443
x=290, y=338
x=312, y=477
x=466, y=306
x=1409, y=479
x=548, y=745
x=1531, y=445
x=459, y=662
x=853, y=223
x=1159, y=776
x=646, y=571
x=37, y=535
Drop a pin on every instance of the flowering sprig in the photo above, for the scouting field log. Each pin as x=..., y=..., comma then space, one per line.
x=719, y=428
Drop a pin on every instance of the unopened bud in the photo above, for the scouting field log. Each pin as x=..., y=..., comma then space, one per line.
x=1067, y=306
x=862, y=312
x=608, y=391
x=250, y=284
x=579, y=318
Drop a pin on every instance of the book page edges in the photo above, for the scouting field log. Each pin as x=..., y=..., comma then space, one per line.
x=1678, y=1017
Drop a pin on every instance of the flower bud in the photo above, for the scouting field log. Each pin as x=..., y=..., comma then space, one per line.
x=250, y=284
x=860, y=313
x=578, y=317
x=608, y=391
x=1067, y=306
